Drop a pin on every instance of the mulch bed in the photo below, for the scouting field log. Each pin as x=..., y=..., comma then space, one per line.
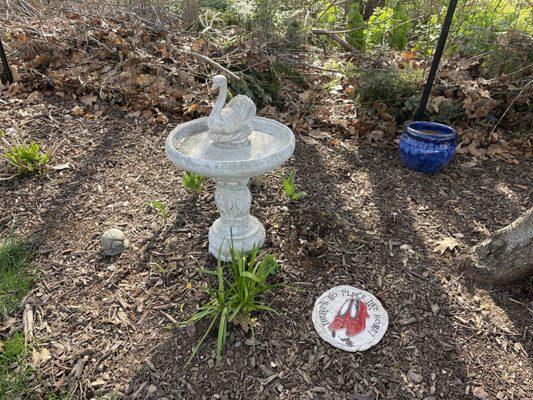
x=103, y=319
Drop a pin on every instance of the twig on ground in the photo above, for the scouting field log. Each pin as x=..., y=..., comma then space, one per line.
x=510, y=105
x=170, y=318
x=212, y=63
x=335, y=37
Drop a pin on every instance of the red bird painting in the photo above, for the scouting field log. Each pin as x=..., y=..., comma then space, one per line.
x=351, y=316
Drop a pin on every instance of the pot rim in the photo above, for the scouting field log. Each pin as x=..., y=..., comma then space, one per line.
x=444, y=133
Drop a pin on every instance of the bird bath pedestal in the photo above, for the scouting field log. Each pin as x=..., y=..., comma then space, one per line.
x=231, y=145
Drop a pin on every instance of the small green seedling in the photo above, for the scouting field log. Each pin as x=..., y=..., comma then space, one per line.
x=289, y=187
x=193, y=181
x=27, y=158
x=160, y=207
x=158, y=268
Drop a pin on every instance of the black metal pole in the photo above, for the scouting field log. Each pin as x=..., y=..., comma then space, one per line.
x=6, y=75
x=421, y=111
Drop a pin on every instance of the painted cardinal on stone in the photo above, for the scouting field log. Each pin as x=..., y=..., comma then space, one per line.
x=351, y=316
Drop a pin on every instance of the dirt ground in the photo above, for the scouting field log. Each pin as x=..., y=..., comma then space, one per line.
x=103, y=319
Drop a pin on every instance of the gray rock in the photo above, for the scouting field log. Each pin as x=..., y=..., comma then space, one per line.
x=113, y=242
x=414, y=377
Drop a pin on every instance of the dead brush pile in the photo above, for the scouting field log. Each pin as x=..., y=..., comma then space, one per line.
x=122, y=62
x=148, y=69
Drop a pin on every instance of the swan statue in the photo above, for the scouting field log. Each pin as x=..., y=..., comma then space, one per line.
x=229, y=126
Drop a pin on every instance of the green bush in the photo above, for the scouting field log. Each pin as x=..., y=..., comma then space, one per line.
x=389, y=26
x=354, y=20
x=398, y=33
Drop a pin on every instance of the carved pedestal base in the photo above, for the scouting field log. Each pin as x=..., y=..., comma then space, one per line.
x=233, y=200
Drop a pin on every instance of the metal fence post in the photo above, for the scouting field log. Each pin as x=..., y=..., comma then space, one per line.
x=6, y=75
x=421, y=111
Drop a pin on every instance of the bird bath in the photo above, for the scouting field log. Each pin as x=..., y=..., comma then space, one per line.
x=231, y=145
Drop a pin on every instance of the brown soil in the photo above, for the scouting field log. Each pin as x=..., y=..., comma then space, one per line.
x=103, y=319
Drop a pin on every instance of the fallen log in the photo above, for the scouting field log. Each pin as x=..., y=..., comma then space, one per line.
x=506, y=256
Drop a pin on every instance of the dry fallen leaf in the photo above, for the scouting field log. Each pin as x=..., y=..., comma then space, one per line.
x=89, y=100
x=308, y=140
x=40, y=356
x=78, y=111
x=447, y=243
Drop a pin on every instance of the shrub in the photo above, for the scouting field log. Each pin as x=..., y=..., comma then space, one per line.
x=389, y=26
x=354, y=20
x=398, y=89
x=512, y=53
x=398, y=33
x=240, y=283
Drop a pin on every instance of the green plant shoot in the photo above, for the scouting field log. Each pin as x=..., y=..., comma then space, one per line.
x=193, y=181
x=289, y=187
x=160, y=207
x=28, y=158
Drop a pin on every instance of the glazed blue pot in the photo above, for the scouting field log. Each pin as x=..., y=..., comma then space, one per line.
x=427, y=146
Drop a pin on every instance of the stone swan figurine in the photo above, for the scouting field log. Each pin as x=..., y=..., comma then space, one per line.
x=229, y=126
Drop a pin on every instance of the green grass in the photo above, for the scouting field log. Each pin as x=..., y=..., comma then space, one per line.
x=15, y=373
x=15, y=283
x=240, y=283
x=15, y=280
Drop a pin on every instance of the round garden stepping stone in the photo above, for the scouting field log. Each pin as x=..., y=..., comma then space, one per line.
x=350, y=318
x=113, y=242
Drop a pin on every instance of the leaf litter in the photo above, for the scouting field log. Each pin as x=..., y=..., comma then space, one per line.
x=106, y=331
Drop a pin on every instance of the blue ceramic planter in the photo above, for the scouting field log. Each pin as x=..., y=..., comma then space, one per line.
x=427, y=146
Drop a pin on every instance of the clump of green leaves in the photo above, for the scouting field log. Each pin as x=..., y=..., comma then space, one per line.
x=240, y=283
x=193, y=181
x=289, y=187
x=14, y=370
x=398, y=34
x=356, y=24
x=26, y=158
x=388, y=26
x=160, y=207
x=15, y=280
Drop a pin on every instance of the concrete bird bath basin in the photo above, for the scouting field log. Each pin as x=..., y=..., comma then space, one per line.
x=231, y=145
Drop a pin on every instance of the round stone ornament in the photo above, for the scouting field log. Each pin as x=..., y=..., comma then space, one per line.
x=349, y=318
x=113, y=242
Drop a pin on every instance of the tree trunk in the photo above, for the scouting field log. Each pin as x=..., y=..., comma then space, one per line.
x=369, y=8
x=190, y=13
x=507, y=256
